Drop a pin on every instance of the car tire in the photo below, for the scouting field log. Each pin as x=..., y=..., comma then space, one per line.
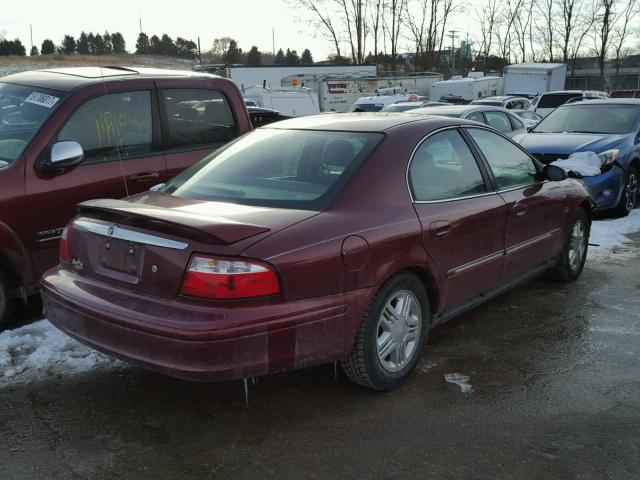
x=629, y=197
x=397, y=316
x=574, y=251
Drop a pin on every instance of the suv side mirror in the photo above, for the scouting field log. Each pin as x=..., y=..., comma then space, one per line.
x=554, y=173
x=64, y=155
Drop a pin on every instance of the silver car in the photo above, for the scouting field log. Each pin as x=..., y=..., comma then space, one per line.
x=496, y=117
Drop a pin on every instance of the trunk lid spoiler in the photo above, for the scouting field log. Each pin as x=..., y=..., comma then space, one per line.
x=217, y=227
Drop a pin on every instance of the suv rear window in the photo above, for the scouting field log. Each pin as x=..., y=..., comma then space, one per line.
x=554, y=100
x=302, y=169
x=23, y=110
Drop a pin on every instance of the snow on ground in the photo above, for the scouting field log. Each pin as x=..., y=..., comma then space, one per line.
x=40, y=350
x=611, y=236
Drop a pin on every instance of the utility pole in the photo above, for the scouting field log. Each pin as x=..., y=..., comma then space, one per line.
x=31, y=35
x=453, y=35
x=140, y=21
x=199, y=52
x=273, y=44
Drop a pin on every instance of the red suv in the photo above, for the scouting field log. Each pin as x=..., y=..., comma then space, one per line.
x=69, y=135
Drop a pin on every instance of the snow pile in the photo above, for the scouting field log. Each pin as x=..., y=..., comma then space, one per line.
x=40, y=350
x=611, y=235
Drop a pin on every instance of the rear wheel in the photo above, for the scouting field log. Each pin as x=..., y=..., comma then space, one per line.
x=392, y=335
x=574, y=251
x=629, y=197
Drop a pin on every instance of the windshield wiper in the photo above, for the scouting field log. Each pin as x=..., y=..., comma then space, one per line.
x=584, y=131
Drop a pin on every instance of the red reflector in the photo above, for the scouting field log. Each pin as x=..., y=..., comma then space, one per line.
x=63, y=250
x=218, y=278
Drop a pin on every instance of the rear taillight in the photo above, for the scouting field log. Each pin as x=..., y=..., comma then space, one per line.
x=219, y=278
x=63, y=251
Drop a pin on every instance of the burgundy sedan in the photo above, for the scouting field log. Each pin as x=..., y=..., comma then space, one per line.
x=334, y=237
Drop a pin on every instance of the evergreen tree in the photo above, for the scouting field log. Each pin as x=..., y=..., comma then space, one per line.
x=167, y=47
x=142, y=45
x=47, y=47
x=186, y=48
x=254, y=57
x=233, y=53
x=118, y=43
x=100, y=47
x=108, y=46
x=291, y=57
x=306, y=58
x=68, y=45
x=12, y=47
x=34, y=51
x=82, y=45
x=280, y=57
x=91, y=41
x=154, y=45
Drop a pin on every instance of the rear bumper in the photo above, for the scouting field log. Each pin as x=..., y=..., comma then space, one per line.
x=606, y=188
x=202, y=341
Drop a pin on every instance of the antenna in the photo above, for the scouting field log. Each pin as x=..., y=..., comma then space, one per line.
x=117, y=145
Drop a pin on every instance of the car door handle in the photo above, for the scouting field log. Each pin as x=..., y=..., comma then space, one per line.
x=145, y=176
x=440, y=228
x=519, y=209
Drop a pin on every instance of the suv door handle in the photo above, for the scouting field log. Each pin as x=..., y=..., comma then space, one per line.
x=440, y=228
x=519, y=209
x=145, y=176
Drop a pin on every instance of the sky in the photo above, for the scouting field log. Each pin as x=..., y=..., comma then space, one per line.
x=250, y=22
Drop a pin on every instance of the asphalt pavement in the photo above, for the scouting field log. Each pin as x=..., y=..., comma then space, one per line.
x=544, y=383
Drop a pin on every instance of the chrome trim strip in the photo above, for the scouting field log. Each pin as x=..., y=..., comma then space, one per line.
x=49, y=239
x=475, y=263
x=532, y=241
x=115, y=231
x=486, y=194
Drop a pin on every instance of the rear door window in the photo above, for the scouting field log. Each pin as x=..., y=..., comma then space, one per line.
x=515, y=123
x=114, y=126
x=499, y=121
x=444, y=168
x=196, y=118
x=476, y=117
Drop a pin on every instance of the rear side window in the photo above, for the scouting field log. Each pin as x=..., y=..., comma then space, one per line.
x=476, y=117
x=511, y=167
x=197, y=117
x=498, y=120
x=555, y=100
x=117, y=125
x=515, y=123
x=443, y=168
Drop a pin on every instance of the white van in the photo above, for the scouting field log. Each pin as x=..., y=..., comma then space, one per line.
x=378, y=102
x=549, y=101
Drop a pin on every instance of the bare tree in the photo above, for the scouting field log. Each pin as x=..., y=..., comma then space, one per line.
x=622, y=30
x=521, y=24
x=488, y=18
x=604, y=21
x=392, y=22
x=583, y=26
x=374, y=20
x=221, y=46
x=546, y=24
x=354, y=21
x=417, y=12
x=321, y=19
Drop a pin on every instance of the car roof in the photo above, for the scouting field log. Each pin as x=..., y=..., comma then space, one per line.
x=564, y=92
x=69, y=78
x=362, y=121
x=495, y=98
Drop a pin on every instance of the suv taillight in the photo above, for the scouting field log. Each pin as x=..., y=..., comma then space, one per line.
x=63, y=251
x=220, y=278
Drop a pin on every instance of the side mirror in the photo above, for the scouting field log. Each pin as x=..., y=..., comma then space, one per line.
x=64, y=155
x=530, y=127
x=554, y=173
x=158, y=187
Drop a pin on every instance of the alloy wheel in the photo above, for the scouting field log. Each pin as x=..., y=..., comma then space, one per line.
x=398, y=330
x=577, y=244
x=631, y=191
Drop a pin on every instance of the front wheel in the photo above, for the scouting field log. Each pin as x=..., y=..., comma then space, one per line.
x=391, y=338
x=629, y=196
x=574, y=251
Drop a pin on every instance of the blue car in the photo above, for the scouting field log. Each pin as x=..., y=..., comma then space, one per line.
x=611, y=129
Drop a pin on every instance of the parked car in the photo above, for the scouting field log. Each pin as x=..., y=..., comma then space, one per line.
x=511, y=102
x=68, y=135
x=375, y=103
x=549, y=101
x=609, y=128
x=529, y=118
x=629, y=93
x=404, y=106
x=264, y=116
x=496, y=117
x=333, y=237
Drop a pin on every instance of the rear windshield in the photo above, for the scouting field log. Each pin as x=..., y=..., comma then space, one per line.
x=610, y=118
x=367, y=107
x=400, y=108
x=301, y=169
x=23, y=110
x=487, y=102
x=556, y=99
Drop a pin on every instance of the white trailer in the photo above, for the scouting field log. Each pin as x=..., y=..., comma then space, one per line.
x=339, y=93
x=534, y=78
x=291, y=102
x=467, y=89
